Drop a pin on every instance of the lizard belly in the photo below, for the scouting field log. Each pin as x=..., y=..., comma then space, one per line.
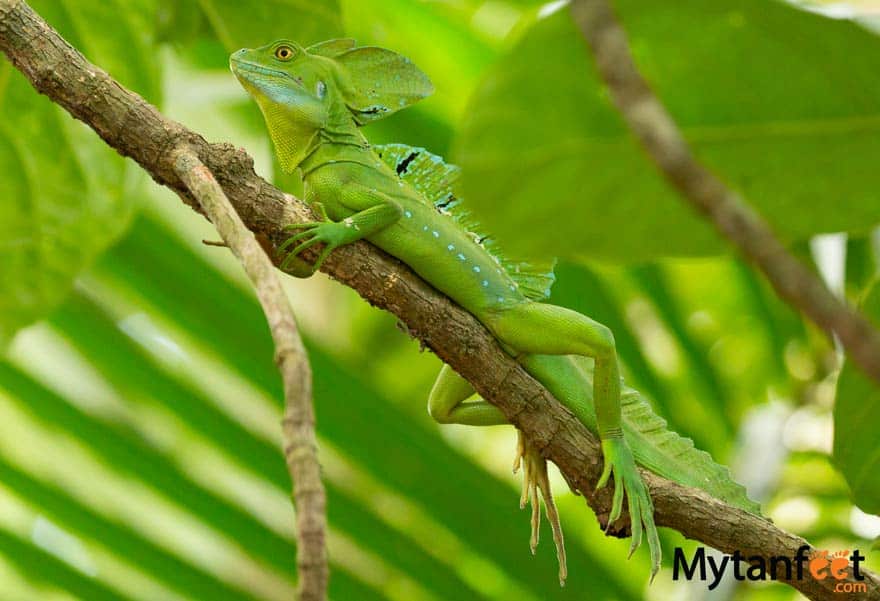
x=449, y=259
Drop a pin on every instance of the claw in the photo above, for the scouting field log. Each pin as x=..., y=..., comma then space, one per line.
x=536, y=514
x=616, y=504
x=324, y=219
x=324, y=254
x=636, y=525
x=293, y=239
x=313, y=232
x=296, y=226
x=520, y=451
x=535, y=481
x=305, y=245
x=628, y=481
x=285, y=264
x=603, y=479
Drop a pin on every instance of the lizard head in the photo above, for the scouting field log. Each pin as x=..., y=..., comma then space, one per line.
x=330, y=86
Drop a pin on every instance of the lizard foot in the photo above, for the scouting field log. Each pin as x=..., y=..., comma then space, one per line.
x=619, y=460
x=534, y=480
x=328, y=232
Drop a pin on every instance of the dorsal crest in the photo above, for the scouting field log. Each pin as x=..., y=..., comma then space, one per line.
x=437, y=184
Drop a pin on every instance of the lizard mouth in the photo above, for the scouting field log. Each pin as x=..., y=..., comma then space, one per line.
x=257, y=73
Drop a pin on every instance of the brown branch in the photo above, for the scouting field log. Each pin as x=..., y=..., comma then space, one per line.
x=137, y=130
x=300, y=448
x=705, y=192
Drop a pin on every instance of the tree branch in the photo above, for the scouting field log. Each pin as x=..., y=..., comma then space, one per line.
x=705, y=192
x=137, y=130
x=300, y=448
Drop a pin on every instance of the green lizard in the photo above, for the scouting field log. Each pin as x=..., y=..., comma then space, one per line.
x=403, y=200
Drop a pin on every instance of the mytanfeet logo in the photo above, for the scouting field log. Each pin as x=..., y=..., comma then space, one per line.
x=820, y=565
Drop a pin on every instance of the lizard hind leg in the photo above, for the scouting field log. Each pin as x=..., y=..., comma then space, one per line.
x=453, y=401
x=541, y=329
x=535, y=480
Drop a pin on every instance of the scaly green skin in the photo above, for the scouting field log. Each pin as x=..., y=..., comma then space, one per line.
x=314, y=100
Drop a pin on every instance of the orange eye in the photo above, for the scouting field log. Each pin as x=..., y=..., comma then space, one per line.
x=284, y=53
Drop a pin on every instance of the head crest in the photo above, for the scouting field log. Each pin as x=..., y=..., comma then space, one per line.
x=374, y=82
x=331, y=48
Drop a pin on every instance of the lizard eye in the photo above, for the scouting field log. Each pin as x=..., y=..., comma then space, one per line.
x=284, y=53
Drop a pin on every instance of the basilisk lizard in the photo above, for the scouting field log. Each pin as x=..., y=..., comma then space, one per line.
x=405, y=201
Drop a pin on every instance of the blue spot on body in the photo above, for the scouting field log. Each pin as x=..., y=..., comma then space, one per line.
x=436, y=234
x=477, y=268
x=485, y=283
x=461, y=256
x=407, y=213
x=450, y=247
x=425, y=228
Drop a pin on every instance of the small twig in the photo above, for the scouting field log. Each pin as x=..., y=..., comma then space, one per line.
x=704, y=191
x=300, y=448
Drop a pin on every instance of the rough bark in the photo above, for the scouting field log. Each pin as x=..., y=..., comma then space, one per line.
x=137, y=130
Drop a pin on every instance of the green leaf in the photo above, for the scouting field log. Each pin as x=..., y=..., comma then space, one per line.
x=124, y=451
x=856, y=415
x=861, y=264
x=655, y=283
x=66, y=194
x=48, y=569
x=131, y=371
x=236, y=24
x=177, y=572
x=781, y=103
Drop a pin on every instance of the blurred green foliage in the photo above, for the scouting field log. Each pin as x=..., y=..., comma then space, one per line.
x=856, y=412
x=781, y=103
x=69, y=195
x=139, y=436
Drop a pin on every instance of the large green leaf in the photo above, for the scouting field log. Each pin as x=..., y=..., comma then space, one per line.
x=126, y=452
x=43, y=567
x=147, y=555
x=783, y=104
x=134, y=374
x=66, y=194
x=236, y=24
x=856, y=415
x=655, y=282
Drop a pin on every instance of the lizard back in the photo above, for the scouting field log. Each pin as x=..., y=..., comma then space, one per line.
x=437, y=183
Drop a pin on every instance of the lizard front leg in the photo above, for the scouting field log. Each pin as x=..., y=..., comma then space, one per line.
x=380, y=212
x=453, y=401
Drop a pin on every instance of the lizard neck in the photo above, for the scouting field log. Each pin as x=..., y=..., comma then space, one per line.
x=345, y=146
